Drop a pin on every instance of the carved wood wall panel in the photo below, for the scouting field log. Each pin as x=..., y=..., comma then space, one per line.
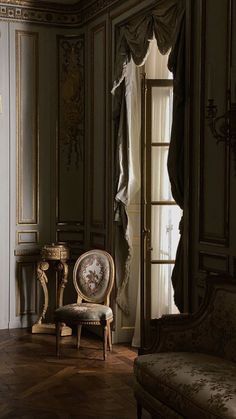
x=71, y=140
x=27, y=127
x=27, y=292
x=97, y=153
x=212, y=197
x=98, y=240
x=214, y=159
x=213, y=262
x=27, y=237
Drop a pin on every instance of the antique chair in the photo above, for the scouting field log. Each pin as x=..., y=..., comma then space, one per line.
x=93, y=278
x=190, y=371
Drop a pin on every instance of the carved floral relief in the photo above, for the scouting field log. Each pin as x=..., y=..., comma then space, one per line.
x=71, y=99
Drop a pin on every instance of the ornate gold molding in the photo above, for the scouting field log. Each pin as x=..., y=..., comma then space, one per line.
x=27, y=237
x=53, y=13
x=45, y=14
x=71, y=106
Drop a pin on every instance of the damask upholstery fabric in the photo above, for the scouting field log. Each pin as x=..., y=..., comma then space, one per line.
x=83, y=312
x=214, y=333
x=92, y=276
x=194, y=384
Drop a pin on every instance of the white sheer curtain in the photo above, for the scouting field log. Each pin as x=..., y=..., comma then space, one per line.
x=165, y=219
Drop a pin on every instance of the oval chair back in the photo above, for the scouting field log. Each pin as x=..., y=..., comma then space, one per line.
x=93, y=276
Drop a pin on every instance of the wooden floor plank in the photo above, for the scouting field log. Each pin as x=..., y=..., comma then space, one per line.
x=36, y=384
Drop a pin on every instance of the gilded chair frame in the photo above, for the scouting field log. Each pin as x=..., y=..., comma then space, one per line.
x=105, y=299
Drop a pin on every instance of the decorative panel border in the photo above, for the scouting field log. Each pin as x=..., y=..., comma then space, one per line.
x=72, y=237
x=207, y=237
x=27, y=237
x=71, y=117
x=213, y=262
x=27, y=128
x=97, y=223
x=27, y=252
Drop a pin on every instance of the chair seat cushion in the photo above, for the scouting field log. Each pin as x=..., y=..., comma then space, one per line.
x=195, y=385
x=86, y=312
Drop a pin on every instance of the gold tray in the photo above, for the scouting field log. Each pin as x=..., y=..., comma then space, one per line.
x=55, y=252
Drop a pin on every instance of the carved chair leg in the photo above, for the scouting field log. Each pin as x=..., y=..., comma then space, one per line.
x=58, y=336
x=105, y=341
x=139, y=411
x=79, y=327
x=109, y=337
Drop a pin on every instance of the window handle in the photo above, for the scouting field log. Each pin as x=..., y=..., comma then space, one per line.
x=147, y=234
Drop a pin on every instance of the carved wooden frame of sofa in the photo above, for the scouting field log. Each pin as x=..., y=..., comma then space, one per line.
x=190, y=371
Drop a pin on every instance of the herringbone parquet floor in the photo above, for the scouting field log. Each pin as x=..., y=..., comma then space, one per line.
x=36, y=384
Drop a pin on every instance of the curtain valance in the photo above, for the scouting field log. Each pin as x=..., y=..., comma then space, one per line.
x=133, y=38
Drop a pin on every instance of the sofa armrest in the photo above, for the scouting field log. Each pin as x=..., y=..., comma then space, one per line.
x=212, y=329
x=179, y=332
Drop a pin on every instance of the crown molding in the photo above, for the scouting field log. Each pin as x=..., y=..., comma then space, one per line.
x=50, y=13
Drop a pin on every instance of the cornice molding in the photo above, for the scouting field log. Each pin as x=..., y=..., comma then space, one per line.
x=50, y=15
x=53, y=13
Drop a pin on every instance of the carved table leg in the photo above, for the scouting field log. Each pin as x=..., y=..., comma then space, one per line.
x=62, y=269
x=42, y=267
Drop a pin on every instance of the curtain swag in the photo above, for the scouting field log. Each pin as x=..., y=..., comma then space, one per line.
x=134, y=37
x=166, y=23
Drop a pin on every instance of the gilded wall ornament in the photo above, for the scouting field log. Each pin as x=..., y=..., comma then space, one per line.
x=71, y=98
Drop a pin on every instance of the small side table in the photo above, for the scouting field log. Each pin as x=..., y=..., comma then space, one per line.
x=59, y=254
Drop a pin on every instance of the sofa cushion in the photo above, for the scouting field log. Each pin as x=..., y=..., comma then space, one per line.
x=193, y=384
x=84, y=312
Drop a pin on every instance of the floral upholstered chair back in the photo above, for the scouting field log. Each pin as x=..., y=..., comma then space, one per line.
x=93, y=276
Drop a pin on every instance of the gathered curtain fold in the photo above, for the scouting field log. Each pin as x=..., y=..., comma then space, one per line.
x=133, y=38
x=175, y=161
x=165, y=23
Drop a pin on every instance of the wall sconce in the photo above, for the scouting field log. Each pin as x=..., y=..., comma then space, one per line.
x=223, y=127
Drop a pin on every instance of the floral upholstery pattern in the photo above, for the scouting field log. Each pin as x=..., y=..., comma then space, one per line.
x=215, y=333
x=84, y=312
x=191, y=372
x=194, y=384
x=92, y=276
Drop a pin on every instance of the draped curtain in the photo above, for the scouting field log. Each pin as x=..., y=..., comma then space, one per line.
x=166, y=23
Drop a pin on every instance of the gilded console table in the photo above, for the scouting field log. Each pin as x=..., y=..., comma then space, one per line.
x=59, y=254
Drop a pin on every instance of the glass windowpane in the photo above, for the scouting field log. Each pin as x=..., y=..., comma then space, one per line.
x=165, y=231
x=162, y=300
x=162, y=103
x=161, y=189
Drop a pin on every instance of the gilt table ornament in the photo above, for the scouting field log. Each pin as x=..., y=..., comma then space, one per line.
x=58, y=254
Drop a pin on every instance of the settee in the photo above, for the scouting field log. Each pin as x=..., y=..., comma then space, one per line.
x=190, y=370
